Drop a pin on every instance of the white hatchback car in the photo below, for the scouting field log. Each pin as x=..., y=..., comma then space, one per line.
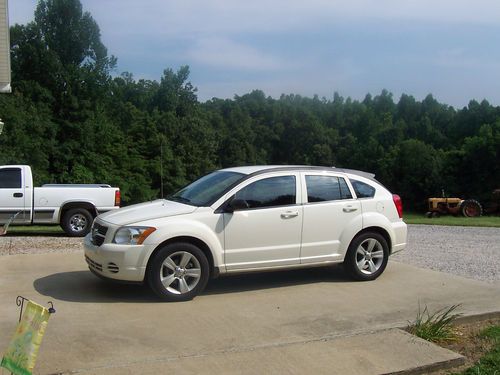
x=246, y=219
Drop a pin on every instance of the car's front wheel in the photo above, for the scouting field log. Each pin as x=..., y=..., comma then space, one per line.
x=367, y=256
x=178, y=272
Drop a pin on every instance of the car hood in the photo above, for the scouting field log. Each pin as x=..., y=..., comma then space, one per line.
x=146, y=211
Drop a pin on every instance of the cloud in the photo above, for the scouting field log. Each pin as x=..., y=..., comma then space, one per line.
x=462, y=58
x=193, y=17
x=303, y=80
x=306, y=47
x=224, y=53
x=21, y=11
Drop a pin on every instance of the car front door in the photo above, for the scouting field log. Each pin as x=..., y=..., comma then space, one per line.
x=331, y=217
x=265, y=230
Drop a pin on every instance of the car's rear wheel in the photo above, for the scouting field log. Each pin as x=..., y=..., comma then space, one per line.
x=367, y=256
x=178, y=272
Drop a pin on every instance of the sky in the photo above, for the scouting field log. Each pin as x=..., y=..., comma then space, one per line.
x=447, y=48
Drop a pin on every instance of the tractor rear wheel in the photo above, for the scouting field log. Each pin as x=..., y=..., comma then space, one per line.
x=471, y=208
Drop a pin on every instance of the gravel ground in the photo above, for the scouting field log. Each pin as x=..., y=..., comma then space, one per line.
x=470, y=252
x=10, y=245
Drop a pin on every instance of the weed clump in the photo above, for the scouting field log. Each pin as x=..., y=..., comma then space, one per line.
x=435, y=327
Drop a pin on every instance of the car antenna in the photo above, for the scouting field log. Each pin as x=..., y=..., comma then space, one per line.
x=161, y=168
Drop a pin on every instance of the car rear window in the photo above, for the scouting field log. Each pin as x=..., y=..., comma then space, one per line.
x=362, y=189
x=326, y=188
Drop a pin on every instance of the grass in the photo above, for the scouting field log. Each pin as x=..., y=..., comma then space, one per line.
x=490, y=362
x=483, y=221
x=436, y=327
x=33, y=230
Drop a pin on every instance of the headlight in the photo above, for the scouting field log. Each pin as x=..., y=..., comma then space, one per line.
x=132, y=235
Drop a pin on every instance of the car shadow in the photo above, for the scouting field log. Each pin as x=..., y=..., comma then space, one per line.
x=275, y=279
x=82, y=286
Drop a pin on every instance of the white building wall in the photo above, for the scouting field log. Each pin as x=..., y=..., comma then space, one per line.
x=4, y=48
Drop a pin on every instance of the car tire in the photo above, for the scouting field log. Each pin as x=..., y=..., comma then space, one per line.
x=171, y=273
x=77, y=222
x=367, y=256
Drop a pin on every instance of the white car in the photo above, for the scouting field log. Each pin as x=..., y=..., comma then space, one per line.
x=246, y=219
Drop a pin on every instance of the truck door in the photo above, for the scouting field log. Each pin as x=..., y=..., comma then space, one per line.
x=12, y=196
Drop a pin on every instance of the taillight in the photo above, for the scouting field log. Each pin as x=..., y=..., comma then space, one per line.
x=117, y=198
x=399, y=204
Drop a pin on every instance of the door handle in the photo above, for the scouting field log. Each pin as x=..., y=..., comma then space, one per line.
x=289, y=214
x=349, y=209
x=18, y=195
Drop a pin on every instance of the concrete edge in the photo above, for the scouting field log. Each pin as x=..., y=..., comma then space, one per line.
x=472, y=318
x=452, y=363
x=443, y=365
x=440, y=365
x=462, y=319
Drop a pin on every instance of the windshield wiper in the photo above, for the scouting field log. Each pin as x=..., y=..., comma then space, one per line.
x=179, y=199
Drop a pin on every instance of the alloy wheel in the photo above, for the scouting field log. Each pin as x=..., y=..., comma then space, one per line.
x=78, y=222
x=369, y=256
x=180, y=272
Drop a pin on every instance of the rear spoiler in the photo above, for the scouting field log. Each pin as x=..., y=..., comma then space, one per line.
x=370, y=176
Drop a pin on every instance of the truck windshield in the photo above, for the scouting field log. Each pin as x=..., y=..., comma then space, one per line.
x=206, y=190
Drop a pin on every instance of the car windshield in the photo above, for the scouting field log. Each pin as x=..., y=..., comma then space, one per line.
x=207, y=189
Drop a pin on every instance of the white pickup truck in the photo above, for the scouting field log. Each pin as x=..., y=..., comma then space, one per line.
x=72, y=206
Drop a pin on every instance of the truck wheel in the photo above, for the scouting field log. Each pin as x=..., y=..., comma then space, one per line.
x=471, y=208
x=76, y=222
x=367, y=256
x=178, y=272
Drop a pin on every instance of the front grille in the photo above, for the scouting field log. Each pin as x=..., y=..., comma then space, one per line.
x=93, y=264
x=98, y=234
x=113, y=268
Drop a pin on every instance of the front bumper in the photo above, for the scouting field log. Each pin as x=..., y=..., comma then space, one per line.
x=116, y=262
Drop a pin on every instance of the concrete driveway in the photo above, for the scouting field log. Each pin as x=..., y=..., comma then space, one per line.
x=109, y=328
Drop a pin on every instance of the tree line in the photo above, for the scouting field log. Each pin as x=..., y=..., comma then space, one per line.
x=75, y=120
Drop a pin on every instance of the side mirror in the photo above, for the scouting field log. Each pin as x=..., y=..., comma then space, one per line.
x=236, y=205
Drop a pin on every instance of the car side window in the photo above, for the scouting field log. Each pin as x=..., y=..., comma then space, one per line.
x=326, y=188
x=10, y=178
x=269, y=192
x=344, y=189
x=363, y=190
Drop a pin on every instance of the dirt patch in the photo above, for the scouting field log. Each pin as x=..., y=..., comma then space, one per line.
x=469, y=344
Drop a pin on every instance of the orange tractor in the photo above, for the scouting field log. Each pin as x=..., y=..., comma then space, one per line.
x=465, y=207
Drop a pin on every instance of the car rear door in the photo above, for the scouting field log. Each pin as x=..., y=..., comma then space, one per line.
x=331, y=217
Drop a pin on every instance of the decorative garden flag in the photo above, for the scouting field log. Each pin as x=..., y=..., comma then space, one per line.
x=23, y=348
